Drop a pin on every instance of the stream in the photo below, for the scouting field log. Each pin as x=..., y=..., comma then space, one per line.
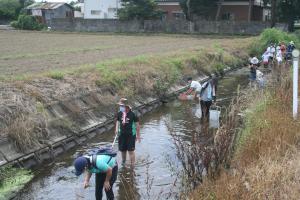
x=156, y=159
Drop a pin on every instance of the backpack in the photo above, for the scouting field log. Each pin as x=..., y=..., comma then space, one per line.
x=105, y=150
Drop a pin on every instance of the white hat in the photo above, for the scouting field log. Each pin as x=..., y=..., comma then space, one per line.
x=254, y=61
x=292, y=42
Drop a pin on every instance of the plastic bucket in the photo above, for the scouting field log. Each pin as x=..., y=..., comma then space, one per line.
x=214, y=117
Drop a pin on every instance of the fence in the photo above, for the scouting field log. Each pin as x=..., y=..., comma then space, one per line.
x=156, y=26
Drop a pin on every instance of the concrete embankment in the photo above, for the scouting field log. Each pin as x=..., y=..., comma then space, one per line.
x=93, y=119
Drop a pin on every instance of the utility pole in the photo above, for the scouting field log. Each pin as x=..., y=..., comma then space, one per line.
x=295, y=54
x=250, y=10
x=273, y=13
x=188, y=5
x=220, y=3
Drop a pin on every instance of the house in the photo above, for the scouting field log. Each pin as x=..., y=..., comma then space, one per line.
x=101, y=9
x=171, y=9
x=46, y=11
x=243, y=10
x=79, y=10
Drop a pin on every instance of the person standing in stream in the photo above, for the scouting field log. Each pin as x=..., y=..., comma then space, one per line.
x=194, y=88
x=128, y=130
x=207, y=96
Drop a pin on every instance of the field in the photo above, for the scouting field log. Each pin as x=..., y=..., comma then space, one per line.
x=23, y=53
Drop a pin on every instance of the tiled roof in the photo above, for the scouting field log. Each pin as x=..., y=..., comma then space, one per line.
x=46, y=5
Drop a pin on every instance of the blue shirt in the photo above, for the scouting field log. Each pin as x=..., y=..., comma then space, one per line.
x=102, y=164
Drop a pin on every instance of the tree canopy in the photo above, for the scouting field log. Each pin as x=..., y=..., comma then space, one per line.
x=139, y=9
x=9, y=9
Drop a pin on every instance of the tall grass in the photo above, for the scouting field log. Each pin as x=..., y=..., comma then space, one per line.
x=266, y=161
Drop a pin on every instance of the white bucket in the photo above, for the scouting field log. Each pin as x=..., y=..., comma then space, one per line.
x=198, y=112
x=214, y=117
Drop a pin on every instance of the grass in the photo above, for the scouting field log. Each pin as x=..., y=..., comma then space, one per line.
x=56, y=75
x=266, y=161
x=12, y=180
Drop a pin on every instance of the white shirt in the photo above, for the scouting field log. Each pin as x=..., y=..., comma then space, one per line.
x=265, y=57
x=196, y=85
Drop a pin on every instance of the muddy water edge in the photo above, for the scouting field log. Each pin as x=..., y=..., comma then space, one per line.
x=157, y=162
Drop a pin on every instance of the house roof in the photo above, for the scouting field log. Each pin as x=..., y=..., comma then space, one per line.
x=46, y=6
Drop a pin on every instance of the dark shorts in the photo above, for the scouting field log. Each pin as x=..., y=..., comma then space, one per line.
x=126, y=142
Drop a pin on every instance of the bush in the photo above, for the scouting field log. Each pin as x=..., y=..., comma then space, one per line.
x=27, y=22
x=271, y=35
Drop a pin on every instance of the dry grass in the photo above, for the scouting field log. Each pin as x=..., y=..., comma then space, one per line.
x=30, y=53
x=266, y=163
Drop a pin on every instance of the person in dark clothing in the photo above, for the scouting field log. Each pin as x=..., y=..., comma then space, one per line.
x=106, y=169
x=207, y=96
x=128, y=130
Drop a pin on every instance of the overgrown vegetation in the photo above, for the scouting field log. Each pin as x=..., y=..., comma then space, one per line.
x=272, y=35
x=265, y=164
x=27, y=22
x=12, y=179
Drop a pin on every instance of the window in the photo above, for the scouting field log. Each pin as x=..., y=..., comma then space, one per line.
x=112, y=10
x=178, y=15
x=95, y=12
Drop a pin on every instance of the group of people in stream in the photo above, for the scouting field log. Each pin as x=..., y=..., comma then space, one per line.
x=102, y=161
x=274, y=57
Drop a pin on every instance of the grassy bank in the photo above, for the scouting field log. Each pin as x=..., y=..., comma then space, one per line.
x=265, y=161
x=12, y=180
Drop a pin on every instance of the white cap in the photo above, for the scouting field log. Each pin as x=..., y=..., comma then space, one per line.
x=254, y=61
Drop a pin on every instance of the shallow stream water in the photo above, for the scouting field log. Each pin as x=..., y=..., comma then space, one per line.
x=152, y=177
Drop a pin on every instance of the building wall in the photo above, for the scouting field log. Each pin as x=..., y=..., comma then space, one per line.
x=101, y=9
x=170, y=10
x=240, y=12
x=60, y=12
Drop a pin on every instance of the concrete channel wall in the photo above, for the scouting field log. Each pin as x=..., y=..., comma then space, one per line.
x=61, y=143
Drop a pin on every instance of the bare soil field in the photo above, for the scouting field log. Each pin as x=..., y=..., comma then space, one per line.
x=37, y=52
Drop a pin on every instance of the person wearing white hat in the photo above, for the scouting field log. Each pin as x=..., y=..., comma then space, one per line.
x=253, y=66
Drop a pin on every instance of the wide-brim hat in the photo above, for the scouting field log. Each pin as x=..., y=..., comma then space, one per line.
x=124, y=102
x=254, y=61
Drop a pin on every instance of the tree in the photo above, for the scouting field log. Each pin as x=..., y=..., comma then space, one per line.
x=202, y=8
x=289, y=11
x=9, y=9
x=139, y=9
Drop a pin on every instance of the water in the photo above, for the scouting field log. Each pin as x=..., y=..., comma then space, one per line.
x=156, y=156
